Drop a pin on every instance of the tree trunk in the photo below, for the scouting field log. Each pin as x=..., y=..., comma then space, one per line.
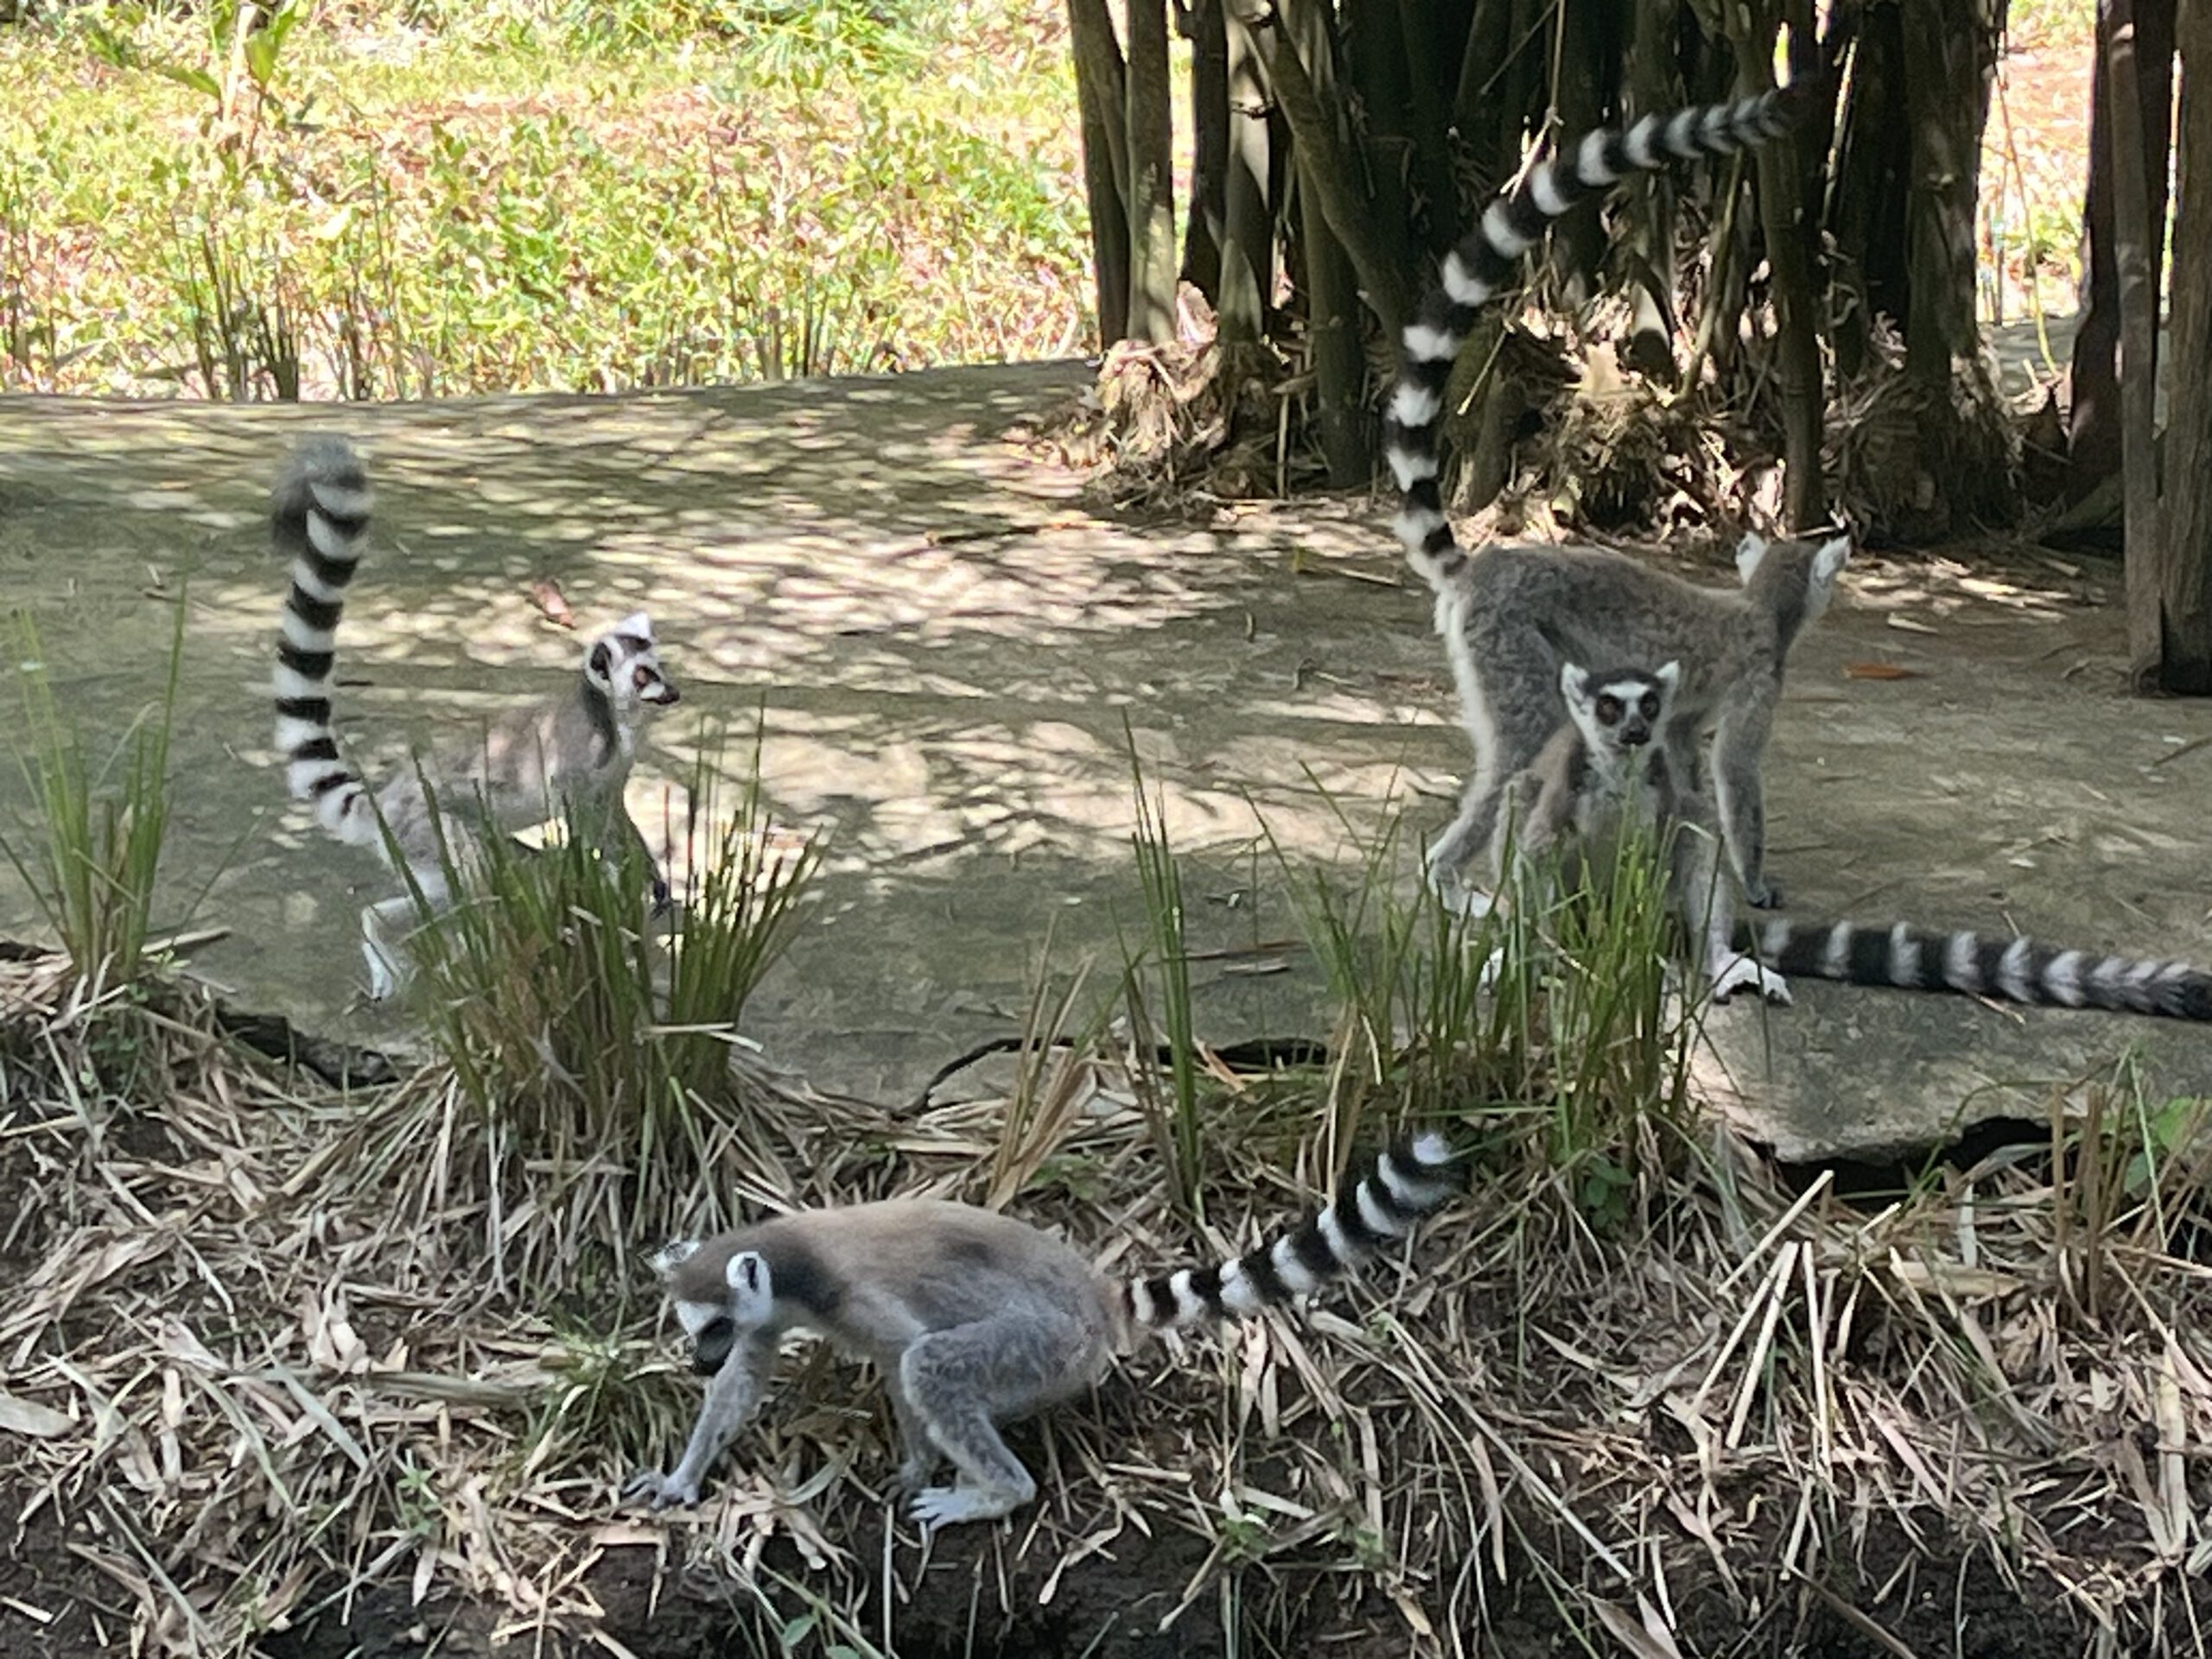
x=1326, y=169
x=1248, y=242
x=1151, y=181
x=1481, y=58
x=1789, y=261
x=2185, y=579
x=1420, y=31
x=1578, y=239
x=2093, y=439
x=1202, y=21
x=1866, y=203
x=1515, y=76
x=1651, y=85
x=1307, y=88
x=1950, y=53
x=1101, y=91
x=1332, y=324
x=1369, y=75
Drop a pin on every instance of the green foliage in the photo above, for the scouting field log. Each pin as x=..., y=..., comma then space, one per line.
x=572, y=1038
x=1157, y=973
x=1545, y=1027
x=93, y=857
x=532, y=197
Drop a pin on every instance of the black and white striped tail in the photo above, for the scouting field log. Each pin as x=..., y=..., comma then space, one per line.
x=1408, y=1183
x=319, y=515
x=1484, y=262
x=1977, y=965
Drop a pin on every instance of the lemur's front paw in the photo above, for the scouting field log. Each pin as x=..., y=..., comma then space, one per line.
x=1763, y=895
x=913, y=1473
x=662, y=898
x=660, y=1492
x=938, y=1507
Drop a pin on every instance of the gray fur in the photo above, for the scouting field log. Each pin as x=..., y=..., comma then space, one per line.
x=1601, y=775
x=972, y=1318
x=1512, y=615
x=572, y=755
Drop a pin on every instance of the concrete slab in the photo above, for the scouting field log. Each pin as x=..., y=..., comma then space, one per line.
x=947, y=644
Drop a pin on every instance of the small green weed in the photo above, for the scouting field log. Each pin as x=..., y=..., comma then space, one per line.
x=93, y=858
x=1156, y=974
x=1544, y=1027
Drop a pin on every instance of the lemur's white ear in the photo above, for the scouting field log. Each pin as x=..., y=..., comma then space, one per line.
x=1574, y=682
x=1748, y=552
x=751, y=1287
x=637, y=623
x=1670, y=675
x=666, y=1260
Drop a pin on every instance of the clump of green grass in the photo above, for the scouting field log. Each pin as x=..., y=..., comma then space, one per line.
x=591, y=1051
x=91, y=859
x=1544, y=1028
x=1156, y=992
x=526, y=197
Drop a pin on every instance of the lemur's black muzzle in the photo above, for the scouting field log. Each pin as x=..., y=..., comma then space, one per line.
x=710, y=1348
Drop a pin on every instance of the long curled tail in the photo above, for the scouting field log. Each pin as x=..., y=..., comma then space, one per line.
x=1914, y=959
x=1407, y=1183
x=1484, y=262
x=319, y=514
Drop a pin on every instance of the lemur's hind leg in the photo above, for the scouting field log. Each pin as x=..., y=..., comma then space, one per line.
x=1708, y=902
x=384, y=927
x=962, y=1383
x=1508, y=731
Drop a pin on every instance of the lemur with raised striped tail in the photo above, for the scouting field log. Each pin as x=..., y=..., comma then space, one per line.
x=1511, y=617
x=975, y=1319
x=573, y=754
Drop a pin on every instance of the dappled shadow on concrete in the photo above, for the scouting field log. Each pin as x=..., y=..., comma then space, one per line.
x=949, y=652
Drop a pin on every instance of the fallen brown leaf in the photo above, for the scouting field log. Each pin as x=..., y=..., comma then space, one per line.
x=552, y=603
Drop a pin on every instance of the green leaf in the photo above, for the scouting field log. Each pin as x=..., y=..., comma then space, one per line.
x=199, y=79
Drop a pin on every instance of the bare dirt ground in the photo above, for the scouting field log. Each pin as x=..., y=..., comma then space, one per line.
x=946, y=646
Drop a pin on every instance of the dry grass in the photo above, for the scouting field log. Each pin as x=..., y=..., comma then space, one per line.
x=1710, y=1417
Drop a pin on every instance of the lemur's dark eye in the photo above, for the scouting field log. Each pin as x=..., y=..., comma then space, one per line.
x=1649, y=705
x=1609, y=709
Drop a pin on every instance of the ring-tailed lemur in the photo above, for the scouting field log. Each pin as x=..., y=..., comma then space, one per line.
x=574, y=755
x=975, y=1319
x=1609, y=764
x=1508, y=617
x=1607, y=769
x=1974, y=964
